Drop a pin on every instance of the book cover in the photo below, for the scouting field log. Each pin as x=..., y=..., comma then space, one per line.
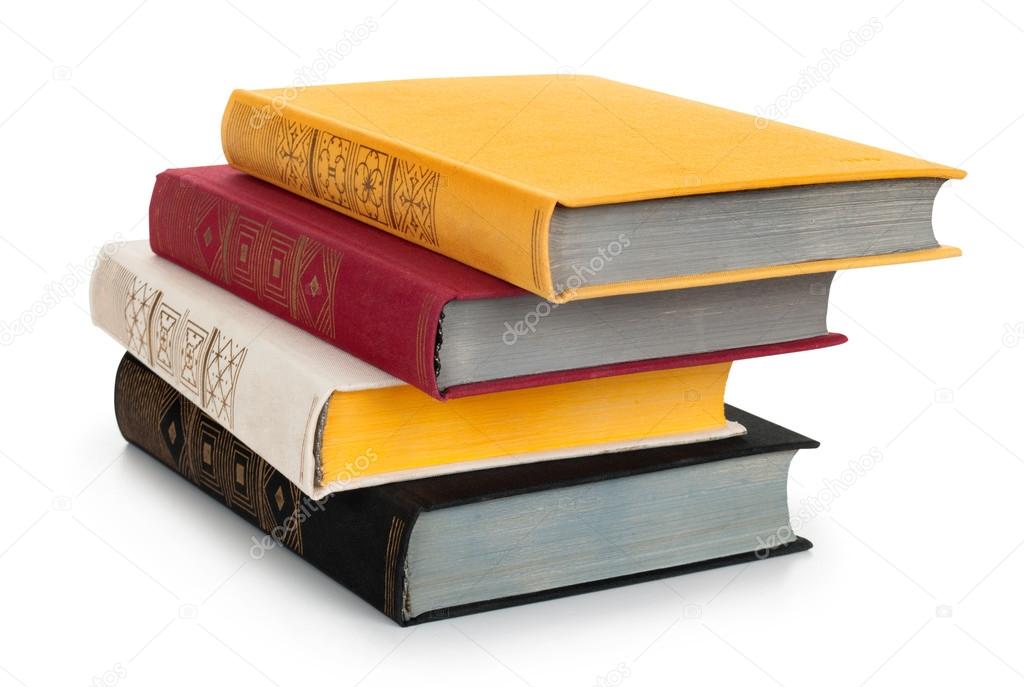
x=371, y=294
x=361, y=538
x=473, y=168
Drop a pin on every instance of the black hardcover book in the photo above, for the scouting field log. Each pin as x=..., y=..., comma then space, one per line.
x=456, y=544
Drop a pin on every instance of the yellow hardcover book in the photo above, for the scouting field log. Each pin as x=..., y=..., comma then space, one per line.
x=576, y=187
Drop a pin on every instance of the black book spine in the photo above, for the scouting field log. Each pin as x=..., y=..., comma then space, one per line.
x=358, y=538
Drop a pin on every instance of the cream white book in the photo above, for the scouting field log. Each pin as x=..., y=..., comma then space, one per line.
x=330, y=422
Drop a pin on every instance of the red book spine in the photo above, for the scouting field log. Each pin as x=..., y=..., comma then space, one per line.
x=205, y=221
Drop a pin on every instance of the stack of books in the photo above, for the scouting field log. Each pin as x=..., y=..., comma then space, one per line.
x=463, y=343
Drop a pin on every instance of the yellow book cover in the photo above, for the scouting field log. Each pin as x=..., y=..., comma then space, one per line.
x=481, y=168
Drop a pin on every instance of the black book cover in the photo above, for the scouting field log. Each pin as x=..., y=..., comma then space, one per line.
x=359, y=538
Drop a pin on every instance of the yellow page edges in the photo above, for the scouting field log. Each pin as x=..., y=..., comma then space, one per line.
x=401, y=429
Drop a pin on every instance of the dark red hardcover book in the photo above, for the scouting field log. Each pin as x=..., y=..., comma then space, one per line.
x=374, y=295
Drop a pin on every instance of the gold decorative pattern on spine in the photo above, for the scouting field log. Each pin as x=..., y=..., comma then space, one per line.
x=298, y=275
x=251, y=134
x=206, y=362
x=535, y=247
x=163, y=421
x=391, y=562
x=363, y=181
x=426, y=334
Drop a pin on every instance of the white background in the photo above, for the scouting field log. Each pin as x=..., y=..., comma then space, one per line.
x=112, y=568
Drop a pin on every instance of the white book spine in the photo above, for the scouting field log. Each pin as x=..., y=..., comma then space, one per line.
x=256, y=375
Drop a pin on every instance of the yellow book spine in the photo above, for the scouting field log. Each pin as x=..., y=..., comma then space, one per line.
x=491, y=223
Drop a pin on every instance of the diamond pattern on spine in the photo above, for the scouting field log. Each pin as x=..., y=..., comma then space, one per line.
x=279, y=505
x=206, y=453
x=137, y=312
x=314, y=287
x=220, y=375
x=411, y=193
x=211, y=223
x=293, y=151
x=172, y=428
x=206, y=363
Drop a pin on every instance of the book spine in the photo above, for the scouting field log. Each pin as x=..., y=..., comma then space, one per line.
x=210, y=346
x=359, y=538
x=362, y=304
x=450, y=207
